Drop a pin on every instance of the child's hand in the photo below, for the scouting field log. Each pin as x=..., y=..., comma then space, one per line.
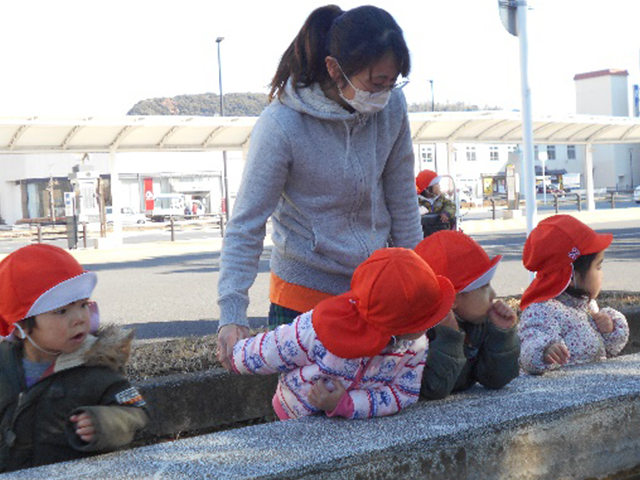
x=556, y=353
x=325, y=394
x=502, y=316
x=450, y=321
x=84, y=426
x=603, y=322
x=444, y=218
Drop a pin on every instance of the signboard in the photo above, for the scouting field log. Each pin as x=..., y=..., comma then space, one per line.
x=69, y=201
x=148, y=194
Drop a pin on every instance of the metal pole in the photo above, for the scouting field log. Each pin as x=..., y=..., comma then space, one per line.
x=218, y=41
x=527, y=127
x=224, y=152
x=433, y=105
x=631, y=166
x=544, y=183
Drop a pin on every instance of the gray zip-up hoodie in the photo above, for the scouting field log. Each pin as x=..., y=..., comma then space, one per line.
x=338, y=186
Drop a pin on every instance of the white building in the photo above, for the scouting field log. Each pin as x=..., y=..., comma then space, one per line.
x=26, y=179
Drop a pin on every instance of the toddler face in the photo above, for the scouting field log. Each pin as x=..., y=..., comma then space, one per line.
x=474, y=306
x=591, y=281
x=62, y=330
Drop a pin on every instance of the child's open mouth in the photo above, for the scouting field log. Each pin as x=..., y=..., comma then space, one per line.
x=79, y=337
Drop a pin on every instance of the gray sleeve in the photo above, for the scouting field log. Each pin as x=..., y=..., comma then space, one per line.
x=400, y=188
x=263, y=180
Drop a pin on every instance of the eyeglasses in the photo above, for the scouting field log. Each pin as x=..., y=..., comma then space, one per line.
x=396, y=86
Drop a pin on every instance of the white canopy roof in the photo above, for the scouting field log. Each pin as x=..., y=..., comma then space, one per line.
x=176, y=133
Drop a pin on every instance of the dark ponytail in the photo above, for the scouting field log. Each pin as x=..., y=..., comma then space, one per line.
x=304, y=60
x=357, y=39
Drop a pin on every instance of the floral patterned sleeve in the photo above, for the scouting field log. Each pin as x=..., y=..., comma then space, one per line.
x=538, y=328
x=391, y=397
x=287, y=347
x=615, y=341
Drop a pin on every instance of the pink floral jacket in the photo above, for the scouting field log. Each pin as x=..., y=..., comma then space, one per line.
x=376, y=386
x=566, y=319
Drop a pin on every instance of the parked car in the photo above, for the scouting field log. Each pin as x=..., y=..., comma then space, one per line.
x=636, y=194
x=127, y=216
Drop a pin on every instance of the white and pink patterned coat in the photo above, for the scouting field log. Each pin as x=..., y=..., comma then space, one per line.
x=566, y=319
x=390, y=380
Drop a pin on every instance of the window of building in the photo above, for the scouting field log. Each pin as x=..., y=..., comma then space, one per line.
x=494, y=154
x=551, y=152
x=426, y=153
x=571, y=152
x=535, y=152
x=471, y=154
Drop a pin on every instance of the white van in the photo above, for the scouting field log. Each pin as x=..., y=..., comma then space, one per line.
x=167, y=205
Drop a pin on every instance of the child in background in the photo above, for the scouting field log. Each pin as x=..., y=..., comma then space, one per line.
x=561, y=323
x=431, y=199
x=63, y=394
x=478, y=341
x=359, y=354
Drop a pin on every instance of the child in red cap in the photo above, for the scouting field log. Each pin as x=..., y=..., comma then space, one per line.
x=359, y=354
x=478, y=341
x=63, y=394
x=431, y=199
x=561, y=323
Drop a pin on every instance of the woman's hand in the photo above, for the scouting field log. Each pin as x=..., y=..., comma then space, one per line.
x=228, y=336
x=326, y=394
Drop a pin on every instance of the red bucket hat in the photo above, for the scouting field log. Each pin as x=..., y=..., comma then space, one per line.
x=459, y=258
x=37, y=279
x=425, y=179
x=550, y=251
x=393, y=292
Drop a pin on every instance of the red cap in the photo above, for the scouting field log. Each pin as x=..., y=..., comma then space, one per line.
x=393, y=292
x=425, y=179
x=458, y=257
x=550, y=251
x=37, y=279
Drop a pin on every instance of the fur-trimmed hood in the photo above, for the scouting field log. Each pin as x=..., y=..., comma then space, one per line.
x=109, y=347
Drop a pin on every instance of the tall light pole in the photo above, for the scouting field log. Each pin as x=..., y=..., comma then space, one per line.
x=433, y=105
x=218, y=41
x=224, y=152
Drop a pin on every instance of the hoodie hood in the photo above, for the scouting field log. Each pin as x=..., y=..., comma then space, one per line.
x=312, y=101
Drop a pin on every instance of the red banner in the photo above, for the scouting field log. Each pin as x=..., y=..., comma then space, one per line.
x=148, y=194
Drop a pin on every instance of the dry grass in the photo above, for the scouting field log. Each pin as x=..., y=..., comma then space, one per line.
x=196, y=354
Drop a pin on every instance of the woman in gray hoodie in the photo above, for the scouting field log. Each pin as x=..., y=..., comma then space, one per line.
x=331, y=162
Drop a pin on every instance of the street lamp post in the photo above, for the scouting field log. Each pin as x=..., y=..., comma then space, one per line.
x=433, y=105
x=224, y=152
x=218, y=41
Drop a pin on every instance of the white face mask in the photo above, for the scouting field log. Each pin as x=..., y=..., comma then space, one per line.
x=363, y=101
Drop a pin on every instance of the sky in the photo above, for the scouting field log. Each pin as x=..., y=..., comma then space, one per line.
x=97, y=58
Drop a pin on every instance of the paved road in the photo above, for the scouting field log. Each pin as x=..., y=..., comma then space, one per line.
x=168, y=289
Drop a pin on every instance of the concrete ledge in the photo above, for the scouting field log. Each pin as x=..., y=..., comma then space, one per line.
x=578, y=423
x=183, y=403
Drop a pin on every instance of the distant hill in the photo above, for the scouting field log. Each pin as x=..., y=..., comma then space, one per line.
x=203, y=104
x=250, y=105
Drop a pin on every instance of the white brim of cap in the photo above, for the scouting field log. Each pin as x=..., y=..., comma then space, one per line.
x=482, y=280
x=435, y=181
x=69, y=291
